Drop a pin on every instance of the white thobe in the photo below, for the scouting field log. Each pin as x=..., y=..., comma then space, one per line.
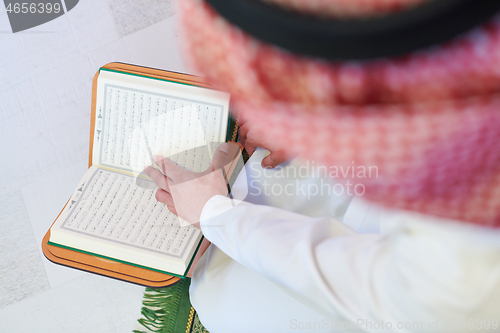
x=288, y=264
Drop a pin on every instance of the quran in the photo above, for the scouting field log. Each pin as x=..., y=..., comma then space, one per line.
x=113, y=213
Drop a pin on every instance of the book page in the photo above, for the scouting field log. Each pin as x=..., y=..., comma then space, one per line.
x=135, y=115
x=111, y=215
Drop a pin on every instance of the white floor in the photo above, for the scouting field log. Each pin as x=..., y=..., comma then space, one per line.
x=45, y=90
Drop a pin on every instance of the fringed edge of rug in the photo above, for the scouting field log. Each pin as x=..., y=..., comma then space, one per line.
x=160, y=308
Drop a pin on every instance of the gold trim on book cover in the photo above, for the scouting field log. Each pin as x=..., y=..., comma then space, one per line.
x=235, y=131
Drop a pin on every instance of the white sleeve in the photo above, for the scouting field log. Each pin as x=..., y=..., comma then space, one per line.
x=317, y=258
x=406, y=275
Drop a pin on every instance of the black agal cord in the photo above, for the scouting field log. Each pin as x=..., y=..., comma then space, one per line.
x=388, y=35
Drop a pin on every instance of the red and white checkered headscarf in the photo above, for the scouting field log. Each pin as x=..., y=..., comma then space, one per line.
x=429, y=121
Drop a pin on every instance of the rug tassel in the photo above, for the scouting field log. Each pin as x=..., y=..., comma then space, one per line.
x=160, y=308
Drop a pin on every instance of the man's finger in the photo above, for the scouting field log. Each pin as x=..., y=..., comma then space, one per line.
x=166, y=198
x=243, y=133
x=274, y=159
x=158, y=178
x=221, y=156
x=250, y=146
x=169, y=168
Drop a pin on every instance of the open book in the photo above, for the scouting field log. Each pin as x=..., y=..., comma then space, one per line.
x=113, y=213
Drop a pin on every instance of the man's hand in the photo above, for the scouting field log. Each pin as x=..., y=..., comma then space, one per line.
x=251, y=140
x=185, y=192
